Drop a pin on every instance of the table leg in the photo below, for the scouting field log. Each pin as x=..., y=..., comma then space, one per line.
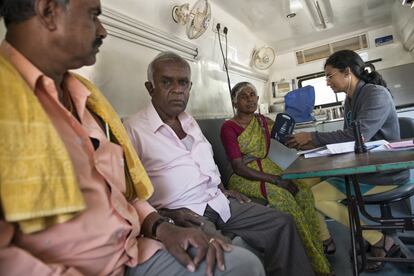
x=351, y=209
x=358, y=204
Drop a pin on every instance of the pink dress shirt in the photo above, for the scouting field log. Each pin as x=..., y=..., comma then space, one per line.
x=105, y=237
x=181, y=177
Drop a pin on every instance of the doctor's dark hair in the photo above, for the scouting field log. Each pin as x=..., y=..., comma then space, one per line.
x=16, y=11
x=347, y=58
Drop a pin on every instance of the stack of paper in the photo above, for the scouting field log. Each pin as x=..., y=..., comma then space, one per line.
x=321, y=151
x=401, y=145
x=345, y=147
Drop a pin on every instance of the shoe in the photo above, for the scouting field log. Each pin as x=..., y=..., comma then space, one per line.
x=329, y=247
x=393, y=251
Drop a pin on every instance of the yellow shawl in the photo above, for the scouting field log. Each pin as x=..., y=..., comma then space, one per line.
x=38, y=187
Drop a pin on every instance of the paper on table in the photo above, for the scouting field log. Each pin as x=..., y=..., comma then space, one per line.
x=345, y=148
x=401, y=144
x=341, y=147
x=322, y=152
x=310, y=150
x=349, y=146
x=281, y=155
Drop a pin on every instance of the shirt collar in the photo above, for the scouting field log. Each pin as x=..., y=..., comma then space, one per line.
x=185, y=120
x=27, y=70
x=358, y=87
x=155, y=121
x=31, y=74
x=78, y=92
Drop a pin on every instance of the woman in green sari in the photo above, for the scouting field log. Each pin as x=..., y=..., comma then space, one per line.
x=246, y=139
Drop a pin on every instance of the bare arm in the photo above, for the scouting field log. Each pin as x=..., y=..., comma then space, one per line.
x=301, y=141
x=244, y=171
x=183, y=217
x=177, y=240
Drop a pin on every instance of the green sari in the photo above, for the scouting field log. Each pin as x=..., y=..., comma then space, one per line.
x=254, y=145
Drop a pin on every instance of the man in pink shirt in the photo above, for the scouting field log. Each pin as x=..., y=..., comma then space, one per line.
x=187, y=186
x=68, y=166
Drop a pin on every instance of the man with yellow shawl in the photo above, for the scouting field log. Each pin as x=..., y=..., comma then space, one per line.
x=69, y=205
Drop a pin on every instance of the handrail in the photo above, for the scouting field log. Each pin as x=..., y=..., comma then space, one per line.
x=132, y=30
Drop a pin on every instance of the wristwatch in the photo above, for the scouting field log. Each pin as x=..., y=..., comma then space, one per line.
x=157, y=223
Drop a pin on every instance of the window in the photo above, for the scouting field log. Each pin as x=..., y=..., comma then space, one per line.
x=324, y=95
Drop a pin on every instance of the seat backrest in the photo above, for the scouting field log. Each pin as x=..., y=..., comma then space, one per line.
x=406, y=127
x=211, y=130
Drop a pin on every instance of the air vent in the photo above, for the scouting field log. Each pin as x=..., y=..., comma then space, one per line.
x=323, y=51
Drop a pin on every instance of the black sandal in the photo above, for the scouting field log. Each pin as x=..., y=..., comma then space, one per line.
x=329, y=247
x=393, y=251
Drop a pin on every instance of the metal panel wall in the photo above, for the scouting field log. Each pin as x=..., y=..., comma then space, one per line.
x=400, y=81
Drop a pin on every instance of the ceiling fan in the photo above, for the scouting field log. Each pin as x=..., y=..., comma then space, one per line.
x=196, y=20
x=408, y=3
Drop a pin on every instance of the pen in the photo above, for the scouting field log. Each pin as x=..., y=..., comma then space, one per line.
x=373, y=147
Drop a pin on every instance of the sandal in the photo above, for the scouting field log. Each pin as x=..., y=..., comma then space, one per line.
x=358, y=249
x=393, y=251
x=329, y=247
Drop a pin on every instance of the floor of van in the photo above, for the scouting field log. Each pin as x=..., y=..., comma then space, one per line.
x=341, y=260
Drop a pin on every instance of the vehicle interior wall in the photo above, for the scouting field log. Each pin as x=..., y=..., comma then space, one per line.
x=403, y=21
x=394, y=54
x=121, y=68
x=120, y=71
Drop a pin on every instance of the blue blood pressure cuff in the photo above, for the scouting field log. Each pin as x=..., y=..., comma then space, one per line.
x=299, y=103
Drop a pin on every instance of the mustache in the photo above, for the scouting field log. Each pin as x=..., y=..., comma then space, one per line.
x=98, y=42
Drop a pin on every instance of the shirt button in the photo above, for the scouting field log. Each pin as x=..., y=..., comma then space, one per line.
x=79, y=141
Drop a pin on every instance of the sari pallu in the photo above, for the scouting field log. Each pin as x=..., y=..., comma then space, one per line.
x=254, y=145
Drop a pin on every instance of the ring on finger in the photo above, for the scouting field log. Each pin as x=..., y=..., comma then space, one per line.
x=211, y=240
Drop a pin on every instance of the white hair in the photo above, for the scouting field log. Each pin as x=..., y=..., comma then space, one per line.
x=168, y=55
x=239, y=88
